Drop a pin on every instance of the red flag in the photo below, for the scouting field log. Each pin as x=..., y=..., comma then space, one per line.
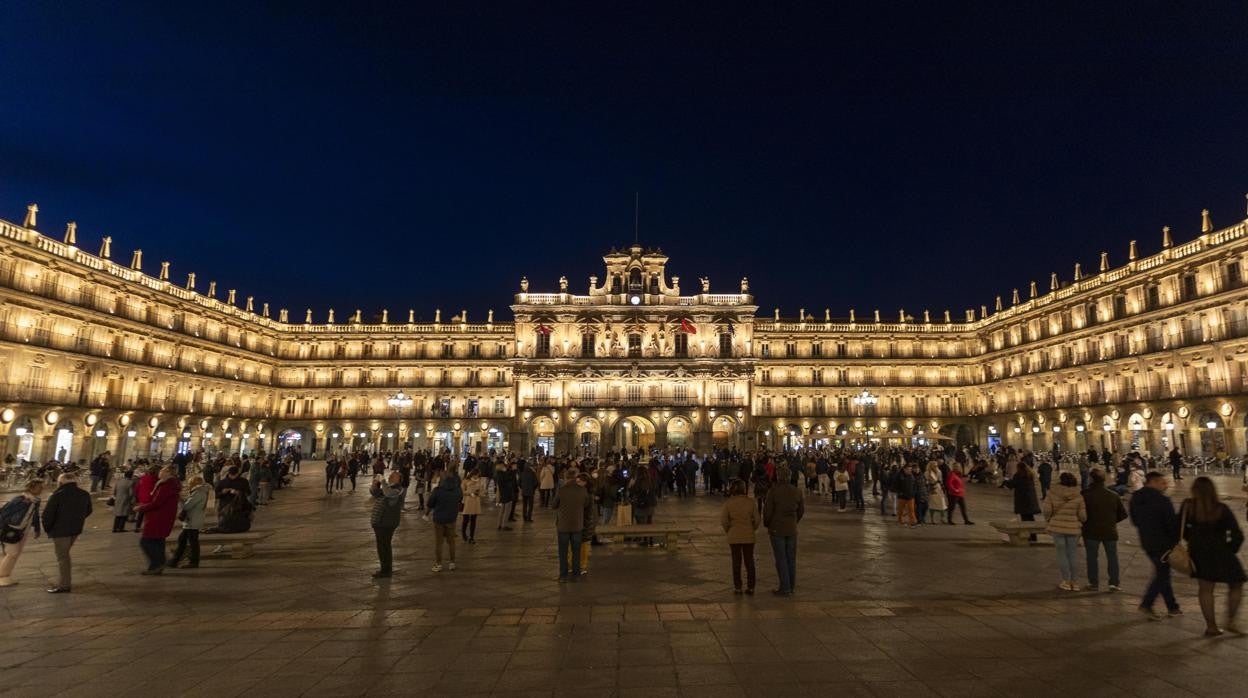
x=688, y=327
x=543, y=328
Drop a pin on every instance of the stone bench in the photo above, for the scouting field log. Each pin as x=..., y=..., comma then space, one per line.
x=1019, y=532
x=669, y=532
x=239, y=544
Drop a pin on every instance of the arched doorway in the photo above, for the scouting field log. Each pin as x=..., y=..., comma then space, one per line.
x=1109, y=435
x=1138, y=428
x=1081, y=435
x=63, y=451
x=24, y=432
x=793, y=437
x=99, y=439
x=723, y=432
x=819, y=436
x=1212, y=434
x=588, y=436
x=633, y=433
x=678, y=433
x=1169, y=431
x=544, y=436
x=291, y=439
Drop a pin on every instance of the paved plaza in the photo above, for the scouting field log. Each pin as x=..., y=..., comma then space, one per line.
x=879, y=610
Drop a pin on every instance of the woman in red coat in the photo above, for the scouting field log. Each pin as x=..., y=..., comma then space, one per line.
x=956, y=487
x=159, y=513
x=143, y=492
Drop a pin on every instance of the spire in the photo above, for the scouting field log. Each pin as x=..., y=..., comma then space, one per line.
x=32, y=216
x=852, y=319
x=385, y=316
x=998, y=306
x=71, y=233
x=106, y=247
x=230, y=296
x=1206, y=224
x=264, y=310
x=136, y=260
x=164, y=271
x=1104, y=262
x=902, y=315
x=1078, y=271
x=1166, y=242
x=877, y=316
x=251, y=304
x=331, y=316
x=190, y=281
x=212, y=289
x=927, y=317
x=1053, y=282
x=1031, y=292
x=1131, y=251
x=437, y=315
x=307, y=318
x=1014, y=298
x=411, y=316
x=947, y=320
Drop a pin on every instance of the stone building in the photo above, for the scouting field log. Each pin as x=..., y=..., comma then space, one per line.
x=98, y=355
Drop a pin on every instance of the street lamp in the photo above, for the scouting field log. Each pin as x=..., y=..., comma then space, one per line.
x=866, y=399
x=399, y=402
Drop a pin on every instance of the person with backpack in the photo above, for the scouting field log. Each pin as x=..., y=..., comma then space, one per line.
x=17, y=517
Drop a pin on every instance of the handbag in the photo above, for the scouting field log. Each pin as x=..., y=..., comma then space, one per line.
x=1179, y=557
x=111, y=501
x=624, y=515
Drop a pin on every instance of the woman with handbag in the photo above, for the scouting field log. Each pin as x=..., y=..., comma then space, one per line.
x=16, y=519
x=1213, y=537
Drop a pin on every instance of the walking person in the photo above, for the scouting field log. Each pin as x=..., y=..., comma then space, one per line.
x=1104, y=510
x=1065, y=511
x=955, y=485
x=1026, y=494
x=740, y=519
x=572, y=504
x=1214, y=538
x=443, y=505
x=782, y=511
x=473, y=491
x=159, y=513
x=63, y=518
x=123, y=500
x=17, y=517
x=508, y=486
x=1154, y=518
x=331, y=474
x=192, y=516
x=387, y=494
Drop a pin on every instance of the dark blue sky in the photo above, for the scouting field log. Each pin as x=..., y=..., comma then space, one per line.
x=877, y=154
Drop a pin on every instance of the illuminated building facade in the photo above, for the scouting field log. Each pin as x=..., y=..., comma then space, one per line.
x=97, y=355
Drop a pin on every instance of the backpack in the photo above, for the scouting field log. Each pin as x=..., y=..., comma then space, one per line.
x=14, y=511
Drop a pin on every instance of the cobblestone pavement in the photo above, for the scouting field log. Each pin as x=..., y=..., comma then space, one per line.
x=880, y=610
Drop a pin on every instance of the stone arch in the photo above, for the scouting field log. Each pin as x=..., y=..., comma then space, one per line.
x=633, y=432
x=724, y=431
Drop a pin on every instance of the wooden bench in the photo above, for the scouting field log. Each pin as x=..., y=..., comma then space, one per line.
x=669, y=532
x=239, y=544
x=1019, y=532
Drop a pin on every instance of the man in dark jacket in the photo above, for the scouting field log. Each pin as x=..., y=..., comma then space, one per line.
x=387, y=510
x=1105, y=510
x=443, y=504
x=1153, y=514
x=508, y=483
x=572, y=505
x=782, y=509
x=907, y=487
x=528, y=488
x=63, y=518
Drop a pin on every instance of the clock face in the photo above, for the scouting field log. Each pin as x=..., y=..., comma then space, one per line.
x=634, y=299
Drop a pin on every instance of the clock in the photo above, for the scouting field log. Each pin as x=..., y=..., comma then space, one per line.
x=634, y=299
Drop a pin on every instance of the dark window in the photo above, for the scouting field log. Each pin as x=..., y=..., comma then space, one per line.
x=790, y=349
x=634, y=345
x=587, y=344
x=1090, y=314
x=816, y=349
x=1152, y=297
x=841, y=349
x=617, y=286
x=543, y=345
x=654, y=285
x=634, y=281
x=1120, y=306
x=1189, y=286
x=682, y=344
x=1234, y=276
x=725, y=345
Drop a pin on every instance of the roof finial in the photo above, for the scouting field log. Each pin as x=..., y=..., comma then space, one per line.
x=106, y=247
x=983, y=311
x=901, y=312
x=1014, y=298
x=307, y=318
x=331, y=316
x=136, y=260
x=411, y=315
x=827, y=315
x=777, y=315
x=1206, y=224
x=463, y=316
x=164, y=271
x=1166, y=242
x=385, y=316
x=1131, y=251
x=852, y=319
x=947, y=320
x=71, y=233
x=230, y=296
x=356, y=318
x=998, y=306
x=489, y=317
x=1078, y=271
x=251, y=304
x=264, y=310
x=190, y=281
x=437, y=315
x=1104, y=262
x=283, y=316
x=32, y=216
x=212, y=289
x=1031, y=292
x=1054, y=284
x=877, y=316
x=927, y=317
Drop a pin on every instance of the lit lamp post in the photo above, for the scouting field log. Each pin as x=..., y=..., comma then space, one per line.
x=865, y=399
x=399, y=402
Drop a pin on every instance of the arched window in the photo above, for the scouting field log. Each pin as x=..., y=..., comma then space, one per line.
x=634, y=281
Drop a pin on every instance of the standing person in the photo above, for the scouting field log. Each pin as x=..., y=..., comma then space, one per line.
x=937, y=503
x=1046, y=478
x=1065, y=511
x=143, y=488
x=508, y=485
x=572, y=504
x=17, y=517
x=159, y=513
x=193, y=509
x=443, y=504
x=233, y=505
x=99, y=470
x=643, y=496
x=1176, y=463
x=473, y=491
x=956, y=487
x=331, y=474
x=353, y=472
x=1214, y=538
x=546, y=479
x=739, y=519
x=1026, y=502
x=1154, y=518
x=387, y=511
x=782, y=511
x=907, y=488
x=1105, y=510
x=123, y=500
x=63, y=518
x=528, y=488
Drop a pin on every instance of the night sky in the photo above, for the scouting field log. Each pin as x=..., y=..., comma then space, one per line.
x=873, y=154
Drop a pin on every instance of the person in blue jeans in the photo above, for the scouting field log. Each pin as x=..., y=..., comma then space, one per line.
x=783, y=508
x=1104, y=510
x=1154, y=518
x=573, y=505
